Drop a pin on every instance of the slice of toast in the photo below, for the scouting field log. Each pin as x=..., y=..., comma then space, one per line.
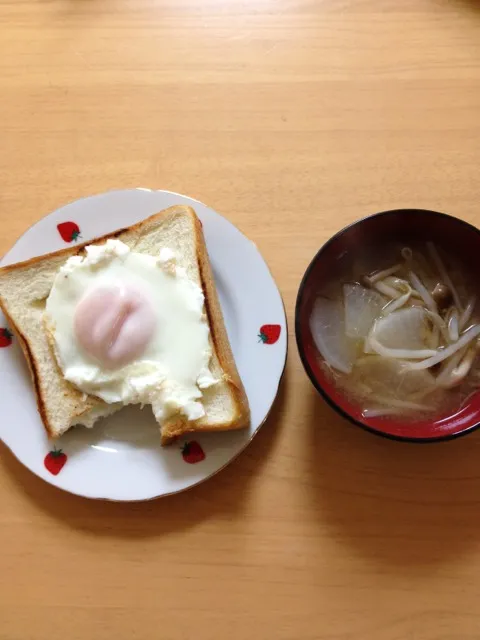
x=25, y=286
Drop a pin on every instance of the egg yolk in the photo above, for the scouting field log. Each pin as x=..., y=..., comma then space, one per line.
x=114, y=324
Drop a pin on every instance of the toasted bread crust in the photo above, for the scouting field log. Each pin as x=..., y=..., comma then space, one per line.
x=222, y=349
x=219, y=338
x=31, y=366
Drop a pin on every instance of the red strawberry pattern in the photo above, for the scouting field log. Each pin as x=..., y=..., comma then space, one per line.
x=55, y=461
x=269, y=333
x=70, y=231
x=192, y=452
x=5, y=337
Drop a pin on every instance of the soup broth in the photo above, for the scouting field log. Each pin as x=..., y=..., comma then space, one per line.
x=400, y=333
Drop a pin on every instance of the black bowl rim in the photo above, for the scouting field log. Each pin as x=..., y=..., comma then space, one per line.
x=301, y=350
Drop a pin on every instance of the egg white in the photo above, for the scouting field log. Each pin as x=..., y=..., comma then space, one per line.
x=174, y=365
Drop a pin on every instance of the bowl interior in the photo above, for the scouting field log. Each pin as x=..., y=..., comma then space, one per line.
x=372, y=237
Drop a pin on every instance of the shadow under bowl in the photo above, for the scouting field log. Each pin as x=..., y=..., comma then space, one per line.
x=376, y=235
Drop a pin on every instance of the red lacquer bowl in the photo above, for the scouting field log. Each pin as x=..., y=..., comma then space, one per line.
x=409, y=226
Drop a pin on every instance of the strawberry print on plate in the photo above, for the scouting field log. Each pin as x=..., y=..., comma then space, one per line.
x=269, y=333
x=69, y=231
x=192, y=452
x=5, y=337
x=55, y=461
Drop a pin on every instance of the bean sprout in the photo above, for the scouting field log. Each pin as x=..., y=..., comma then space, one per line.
x=424, y=293
x=443, y=354
x=467, y=313
x=443, y=274
x=380, y=275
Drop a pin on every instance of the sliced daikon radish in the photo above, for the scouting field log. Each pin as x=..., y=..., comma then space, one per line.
x=362, y=306
x=406, y=329
x=327, y=325
x=392, y=378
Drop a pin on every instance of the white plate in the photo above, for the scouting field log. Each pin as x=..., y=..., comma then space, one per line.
x=121, y=457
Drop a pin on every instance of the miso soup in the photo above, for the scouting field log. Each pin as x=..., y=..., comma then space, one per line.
x=401, y=338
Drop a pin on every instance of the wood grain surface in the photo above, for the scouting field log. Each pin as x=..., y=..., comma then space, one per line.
x=291, y=118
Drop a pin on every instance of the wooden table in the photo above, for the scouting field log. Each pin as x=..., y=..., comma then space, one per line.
x=292, y=118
